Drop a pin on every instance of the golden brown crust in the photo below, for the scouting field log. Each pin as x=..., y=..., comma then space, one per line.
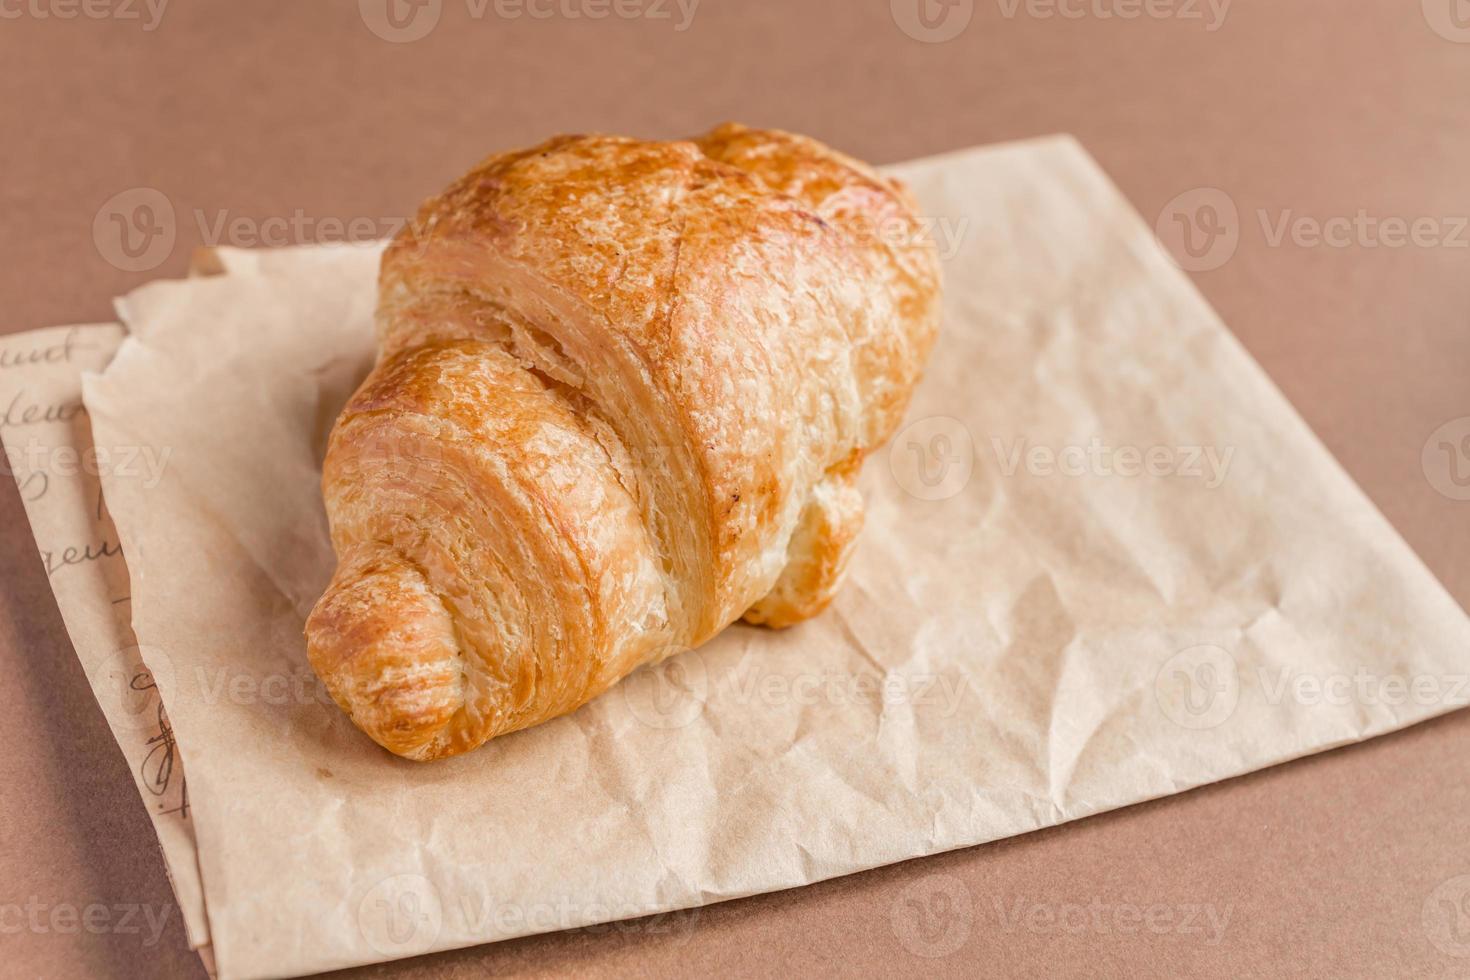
x=624, y=393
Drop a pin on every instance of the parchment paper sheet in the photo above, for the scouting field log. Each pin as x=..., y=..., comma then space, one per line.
x=48, y=450
x=1093, y=570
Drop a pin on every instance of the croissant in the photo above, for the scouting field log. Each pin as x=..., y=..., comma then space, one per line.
x=623, y=393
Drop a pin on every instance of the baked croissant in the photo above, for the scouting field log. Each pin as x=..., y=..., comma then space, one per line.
x=623, y=394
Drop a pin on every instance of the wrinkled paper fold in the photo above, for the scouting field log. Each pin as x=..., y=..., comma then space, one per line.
x=1098, y=564
x=49, y=452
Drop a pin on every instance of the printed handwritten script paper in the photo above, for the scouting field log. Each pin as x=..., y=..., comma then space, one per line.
x=1090, y=567
x=48, y=449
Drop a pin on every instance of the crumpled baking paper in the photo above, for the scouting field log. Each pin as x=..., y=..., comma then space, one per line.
x=49, y=452
x=1105, y=562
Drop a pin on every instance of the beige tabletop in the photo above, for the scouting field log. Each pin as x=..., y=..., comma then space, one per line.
x=1312, y=152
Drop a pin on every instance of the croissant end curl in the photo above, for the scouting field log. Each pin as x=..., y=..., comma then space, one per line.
x=623, y=395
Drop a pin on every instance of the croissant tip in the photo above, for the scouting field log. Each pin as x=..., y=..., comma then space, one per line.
x=384, y=645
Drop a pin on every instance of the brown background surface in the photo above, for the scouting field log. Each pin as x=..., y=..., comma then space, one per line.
x=1320, y=107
